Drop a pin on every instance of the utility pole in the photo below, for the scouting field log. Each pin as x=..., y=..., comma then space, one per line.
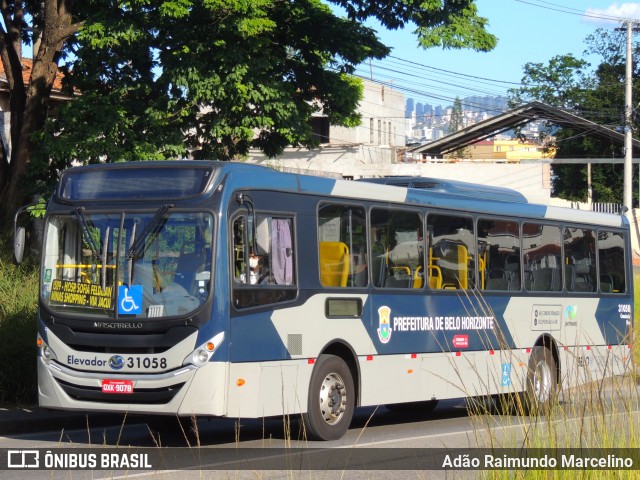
x=627, y=198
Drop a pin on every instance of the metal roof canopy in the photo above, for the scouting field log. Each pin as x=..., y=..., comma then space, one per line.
x=514, y=118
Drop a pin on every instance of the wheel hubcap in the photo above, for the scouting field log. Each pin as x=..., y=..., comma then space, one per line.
x=542, y=382
x=333, y=398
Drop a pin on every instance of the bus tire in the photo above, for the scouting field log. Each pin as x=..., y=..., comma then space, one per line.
x=331, y=399
x=542, y=382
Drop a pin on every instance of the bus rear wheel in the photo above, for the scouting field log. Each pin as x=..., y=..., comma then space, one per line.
x=331, y=399
x=541, y=381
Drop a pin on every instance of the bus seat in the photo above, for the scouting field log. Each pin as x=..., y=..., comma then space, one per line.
x=418, y=277
x=400, y=277
x=512, y=265
x=454, y=264
x=545, y=280
x=606, y=283
x=463, y=266
x=334, y=264
x=497, y=279
x=435, y=277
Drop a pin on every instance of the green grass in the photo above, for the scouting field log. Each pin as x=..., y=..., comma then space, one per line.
x=18, y=320
x=636, y=314
x=601, y=414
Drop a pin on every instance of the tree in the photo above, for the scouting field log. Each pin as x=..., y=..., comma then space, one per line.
x=595, y=94
x=457, y=123
x=49, y=24
x=170, y=78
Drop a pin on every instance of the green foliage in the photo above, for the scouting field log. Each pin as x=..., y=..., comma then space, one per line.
x=457, y=123
x=213, y=78
x=18, y=320
x=595, y=94
x=562, y=82
x=38, y=209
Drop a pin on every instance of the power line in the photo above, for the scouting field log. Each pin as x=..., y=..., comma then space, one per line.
x=571, y=11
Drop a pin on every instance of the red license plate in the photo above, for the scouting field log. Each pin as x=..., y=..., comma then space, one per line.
x=117, y=386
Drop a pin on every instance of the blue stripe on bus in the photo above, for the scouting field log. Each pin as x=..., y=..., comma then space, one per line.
x=255, y=339
x=610, y=318
x=437, y=323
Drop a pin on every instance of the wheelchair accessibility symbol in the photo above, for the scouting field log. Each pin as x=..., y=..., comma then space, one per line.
x=506, y=374
x=130, y=299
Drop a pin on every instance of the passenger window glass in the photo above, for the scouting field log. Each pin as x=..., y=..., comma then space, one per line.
x=452, y=258
x=342, y=246
x=263, y=260
x=612, y=262
x=579, y=260
x=397, y=249
x=541, y=246
x=499, y=255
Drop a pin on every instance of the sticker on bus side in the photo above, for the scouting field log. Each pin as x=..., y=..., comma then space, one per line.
x=546, y=317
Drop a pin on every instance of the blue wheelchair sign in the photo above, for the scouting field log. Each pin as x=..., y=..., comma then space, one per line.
x=506, y=374
x=130, y=299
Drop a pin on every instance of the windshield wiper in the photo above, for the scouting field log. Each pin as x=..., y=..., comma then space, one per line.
x=86, y=234
x=129, y=255
x=138, y=245
x=101, y=257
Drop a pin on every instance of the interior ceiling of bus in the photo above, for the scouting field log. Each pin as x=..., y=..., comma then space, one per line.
x=516, y=117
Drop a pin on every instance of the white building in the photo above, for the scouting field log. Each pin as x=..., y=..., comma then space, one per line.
x=344, y=152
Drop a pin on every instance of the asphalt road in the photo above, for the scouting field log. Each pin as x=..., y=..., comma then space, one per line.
x=599, y=416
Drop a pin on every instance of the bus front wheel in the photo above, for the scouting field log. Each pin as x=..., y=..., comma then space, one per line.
x=541, y=381
x=331, y=399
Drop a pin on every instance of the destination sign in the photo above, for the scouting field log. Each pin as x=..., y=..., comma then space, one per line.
x=82, y=294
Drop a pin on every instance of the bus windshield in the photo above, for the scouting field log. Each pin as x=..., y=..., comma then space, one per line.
x=124, y=265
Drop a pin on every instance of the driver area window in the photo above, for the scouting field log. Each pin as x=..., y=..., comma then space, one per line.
x=263, y=264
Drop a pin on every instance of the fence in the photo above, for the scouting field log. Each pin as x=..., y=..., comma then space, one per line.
x=614, y=208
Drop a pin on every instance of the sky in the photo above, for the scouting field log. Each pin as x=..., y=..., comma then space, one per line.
x=527, y=31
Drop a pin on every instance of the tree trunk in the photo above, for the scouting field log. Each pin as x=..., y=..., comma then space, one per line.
x=29, y=106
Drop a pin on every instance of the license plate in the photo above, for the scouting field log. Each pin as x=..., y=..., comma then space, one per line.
x=117, y=386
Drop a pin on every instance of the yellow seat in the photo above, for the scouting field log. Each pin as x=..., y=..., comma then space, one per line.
x=435, y=277
x=334, y=264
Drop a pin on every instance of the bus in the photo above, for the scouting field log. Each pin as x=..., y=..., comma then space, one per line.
x=224, y=289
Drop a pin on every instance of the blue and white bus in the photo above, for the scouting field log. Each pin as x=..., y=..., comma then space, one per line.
x=201, y=288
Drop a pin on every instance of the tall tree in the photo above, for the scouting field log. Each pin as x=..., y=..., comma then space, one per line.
x=48, y=24
x=595, y=94
x=457, y=123
x=170, y=78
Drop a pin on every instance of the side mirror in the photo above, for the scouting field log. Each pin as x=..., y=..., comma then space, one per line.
x=19, y=235
x=18, y=243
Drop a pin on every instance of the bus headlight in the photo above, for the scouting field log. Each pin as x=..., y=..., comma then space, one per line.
x=203, y=353
x=45, y=350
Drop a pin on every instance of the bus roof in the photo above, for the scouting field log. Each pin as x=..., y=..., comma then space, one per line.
x=473, y=190
x=185, y=179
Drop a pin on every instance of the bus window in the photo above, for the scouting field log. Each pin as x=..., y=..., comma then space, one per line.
x=397, y=248
x=499, y=254
x=263, y=257
x=342, y=246
x=541, y=248
x=611, y=261
x=579, y=260
x=452, y=259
